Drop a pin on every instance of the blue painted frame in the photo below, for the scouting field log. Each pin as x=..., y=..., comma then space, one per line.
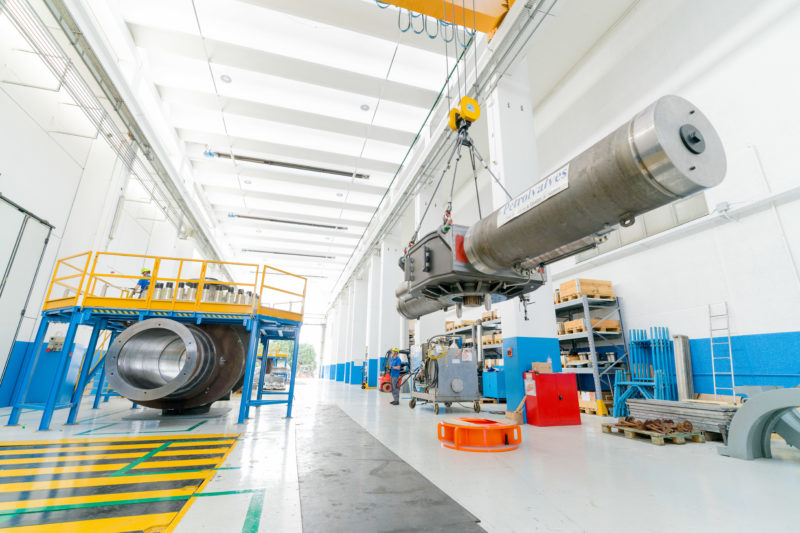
x=260, y=327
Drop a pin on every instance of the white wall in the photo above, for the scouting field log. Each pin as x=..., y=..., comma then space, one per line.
x=53, y=164
x=737, y=61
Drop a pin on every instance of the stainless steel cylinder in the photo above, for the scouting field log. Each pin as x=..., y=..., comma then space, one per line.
x=411, y=307
x=169, y=365
x=668, y=151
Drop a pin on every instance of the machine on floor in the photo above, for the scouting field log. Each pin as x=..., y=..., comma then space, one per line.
x=447, y=374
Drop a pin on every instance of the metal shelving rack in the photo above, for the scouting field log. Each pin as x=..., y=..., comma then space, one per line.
x=591, y=338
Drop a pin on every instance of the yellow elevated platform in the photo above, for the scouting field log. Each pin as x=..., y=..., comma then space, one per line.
x=115, y=281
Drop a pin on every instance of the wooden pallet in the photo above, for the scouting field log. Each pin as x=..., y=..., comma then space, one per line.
x=490, y=400
x=656, y=438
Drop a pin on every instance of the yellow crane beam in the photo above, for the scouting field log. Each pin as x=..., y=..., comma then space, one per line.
x=483, y=15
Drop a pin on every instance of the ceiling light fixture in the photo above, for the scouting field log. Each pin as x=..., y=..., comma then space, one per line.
x=364, y=107
x=287, y=221
x=225, y=78
x=297, y=254
x=293, y=166
x=248, y=182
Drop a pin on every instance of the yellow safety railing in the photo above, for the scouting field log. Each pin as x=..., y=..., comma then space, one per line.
x=175, y=284
x=67, y=283
x=286, y=300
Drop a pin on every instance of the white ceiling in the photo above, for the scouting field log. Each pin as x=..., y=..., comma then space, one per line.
x=285, y=81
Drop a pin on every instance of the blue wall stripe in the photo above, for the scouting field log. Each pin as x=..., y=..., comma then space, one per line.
x=355, y=374
x=763, y=359
x=340, y=372
x=372, y=374
x=13, y=367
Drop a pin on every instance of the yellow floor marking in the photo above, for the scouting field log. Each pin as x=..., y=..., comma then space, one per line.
x=95, y=457
x=70, y=458
x=184, y=462
x=100, y=481
x=50, y=470
x=202, y=451
x=201, y=443
x=72, y=500
x=145, y=445
x=103, y=525
x=200, y=489
x=89, y=440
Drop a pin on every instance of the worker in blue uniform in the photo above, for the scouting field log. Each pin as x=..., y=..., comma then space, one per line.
x=394, y=373
x=143, y=284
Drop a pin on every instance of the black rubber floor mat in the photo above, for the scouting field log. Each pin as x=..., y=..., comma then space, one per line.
x=350, y=482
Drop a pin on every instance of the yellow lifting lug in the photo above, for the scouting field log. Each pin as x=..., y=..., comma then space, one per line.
x=467, y=110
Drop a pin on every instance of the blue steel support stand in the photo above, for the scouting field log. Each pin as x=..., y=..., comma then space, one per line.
x=295, y=357
x=30, y=362
x=101, y=379
x=61, y=369
x=247, y=386
x=263, y=370
x=77, y=394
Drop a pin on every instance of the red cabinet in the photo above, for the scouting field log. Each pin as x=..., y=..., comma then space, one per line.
x=551, y=399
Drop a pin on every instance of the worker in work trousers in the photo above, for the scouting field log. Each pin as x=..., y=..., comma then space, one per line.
x=394, y=374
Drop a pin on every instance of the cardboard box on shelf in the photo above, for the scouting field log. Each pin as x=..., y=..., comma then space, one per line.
x=542, y=368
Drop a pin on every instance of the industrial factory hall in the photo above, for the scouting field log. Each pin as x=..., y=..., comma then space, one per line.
x=349, y=266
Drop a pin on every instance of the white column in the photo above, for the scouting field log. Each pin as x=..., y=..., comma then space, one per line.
x=373, y=324
x=513, y=159
x=343, y=327
x=358, y=326
x=390, y=321
x=433, y=323
x=373, y=303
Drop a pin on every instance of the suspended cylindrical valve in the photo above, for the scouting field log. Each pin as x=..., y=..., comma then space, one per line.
x=668, y=151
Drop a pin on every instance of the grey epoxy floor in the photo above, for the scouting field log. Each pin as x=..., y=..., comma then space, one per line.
x=568, y=479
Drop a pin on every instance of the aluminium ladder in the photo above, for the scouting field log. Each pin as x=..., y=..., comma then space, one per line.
x=721, y=349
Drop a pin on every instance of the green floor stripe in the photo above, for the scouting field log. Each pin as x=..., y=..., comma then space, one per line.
x=183, y=471
x=140, y=460
x=5, y=515
x=95, y=429
x=165, y=472
x=253, y=516
x=69, y=507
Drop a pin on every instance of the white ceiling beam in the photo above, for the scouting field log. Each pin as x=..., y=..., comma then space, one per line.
x=248, y=108
x=250, y=193
x=242, y=57
x=239, y=226
x=264, y=239
x=267, y=247
x=215, y=166
x=359, y=17
x=293, y=216
x=282, y=152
